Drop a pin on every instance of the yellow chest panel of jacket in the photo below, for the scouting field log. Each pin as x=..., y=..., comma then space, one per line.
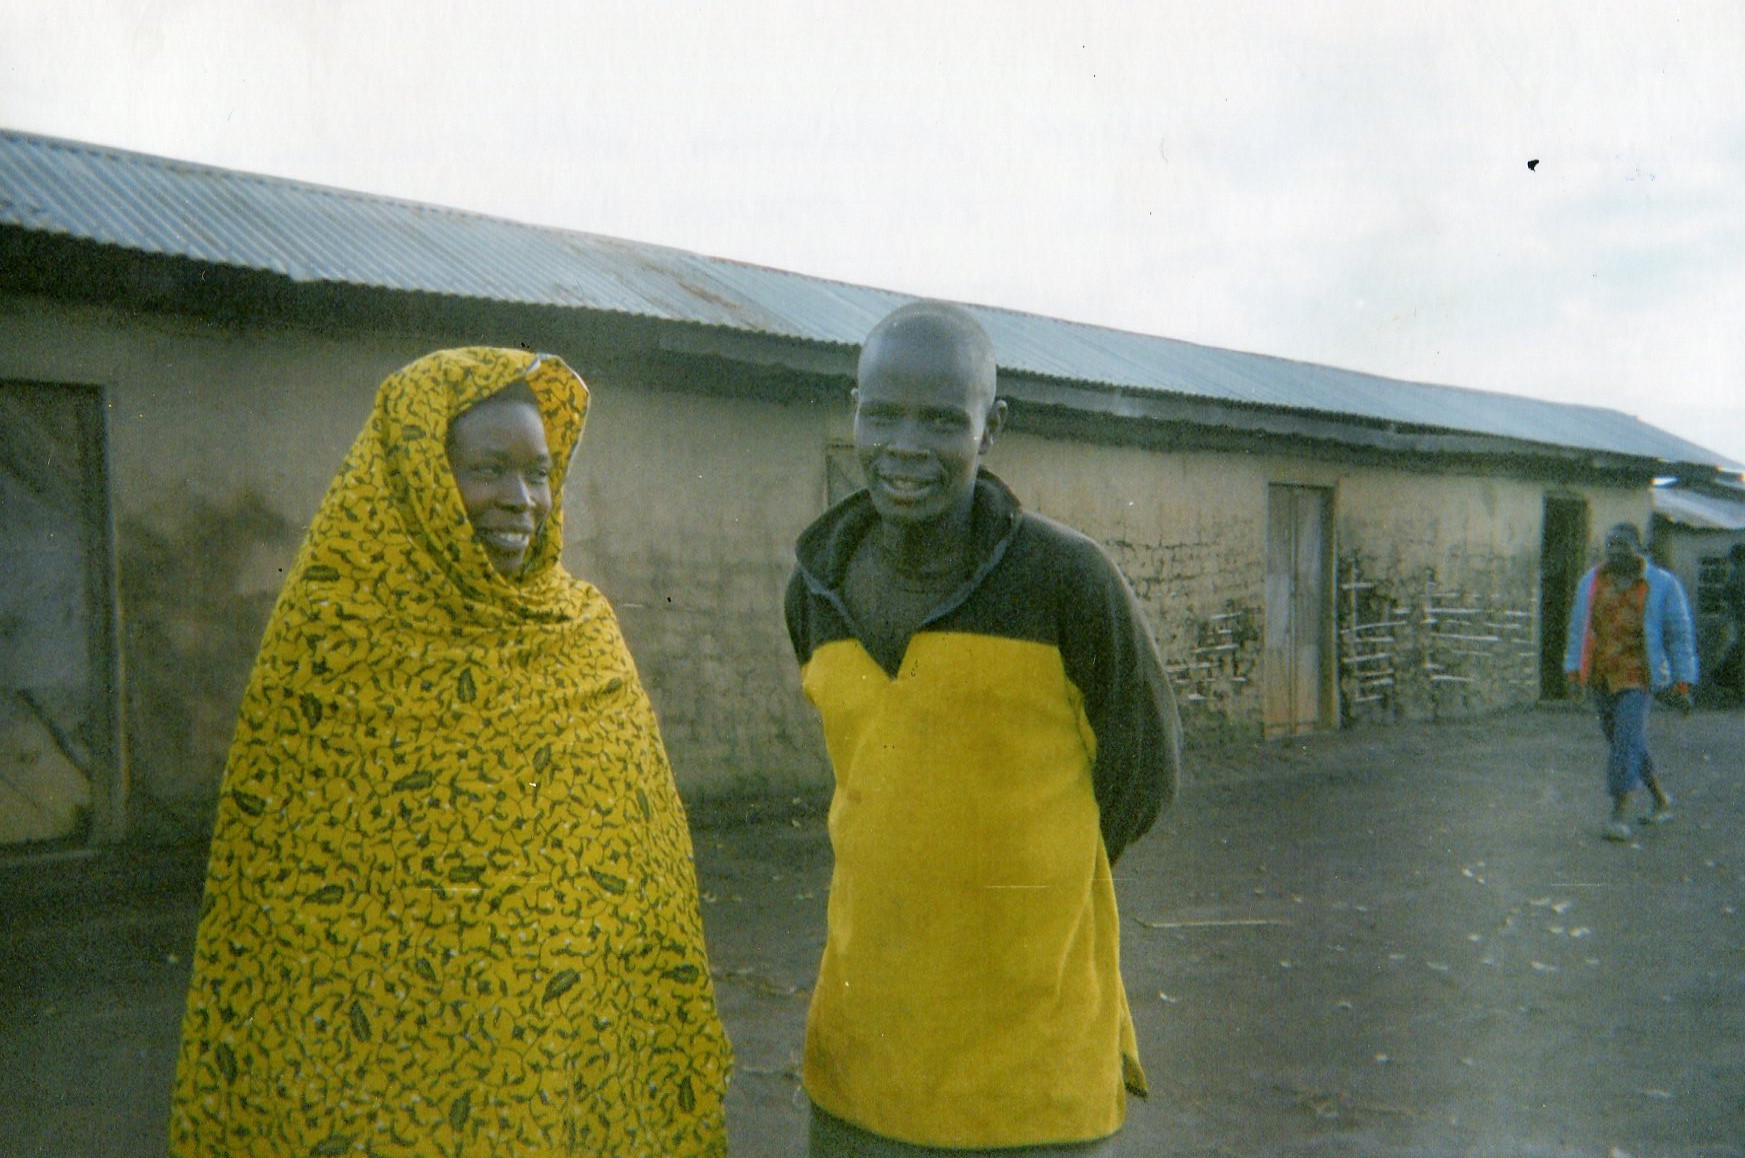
x=970, y=991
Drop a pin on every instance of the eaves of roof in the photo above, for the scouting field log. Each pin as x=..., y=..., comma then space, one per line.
x=1699, y=511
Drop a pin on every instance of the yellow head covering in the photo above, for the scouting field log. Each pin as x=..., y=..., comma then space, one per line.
x=394, y=520
x=451, y=907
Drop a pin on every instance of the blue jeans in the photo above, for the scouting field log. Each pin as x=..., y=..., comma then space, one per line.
x=1624, y=720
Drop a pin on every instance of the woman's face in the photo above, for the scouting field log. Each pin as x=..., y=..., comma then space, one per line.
x=502, y=467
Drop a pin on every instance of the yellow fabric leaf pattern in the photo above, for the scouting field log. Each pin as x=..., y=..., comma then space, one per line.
x=451, y=906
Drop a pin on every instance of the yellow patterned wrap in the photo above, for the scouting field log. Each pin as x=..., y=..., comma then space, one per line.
x=451, y=908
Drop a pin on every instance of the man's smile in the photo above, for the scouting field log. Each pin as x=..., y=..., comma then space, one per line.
x=905, y=485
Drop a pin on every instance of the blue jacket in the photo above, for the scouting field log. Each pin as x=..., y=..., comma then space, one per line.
x=1667, y=631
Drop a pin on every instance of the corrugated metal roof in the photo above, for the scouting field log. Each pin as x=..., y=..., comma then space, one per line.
x=312, y=233
x=1704, y=512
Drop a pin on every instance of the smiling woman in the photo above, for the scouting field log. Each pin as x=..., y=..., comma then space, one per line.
x=502, y=468
x=451, y=907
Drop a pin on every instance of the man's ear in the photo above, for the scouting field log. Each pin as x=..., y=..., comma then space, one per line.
x=996, y=422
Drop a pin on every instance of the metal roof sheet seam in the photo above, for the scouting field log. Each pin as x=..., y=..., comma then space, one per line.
x=316, y=233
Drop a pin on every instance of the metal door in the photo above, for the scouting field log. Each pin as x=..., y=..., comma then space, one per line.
x=59, y=777
x=1298, y=649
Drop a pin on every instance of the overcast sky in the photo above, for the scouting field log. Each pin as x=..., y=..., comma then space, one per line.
x=1344, y=183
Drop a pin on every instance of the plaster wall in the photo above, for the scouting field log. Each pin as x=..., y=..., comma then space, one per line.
x=687, y=509
x=223, y=439
x=221, y=442
x=683, y=506
x=1436, y=585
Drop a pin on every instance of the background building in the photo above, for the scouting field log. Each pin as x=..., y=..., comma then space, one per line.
x=186, y=353
x=1696, y=526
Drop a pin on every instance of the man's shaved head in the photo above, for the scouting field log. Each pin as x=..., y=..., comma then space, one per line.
x=929, y=328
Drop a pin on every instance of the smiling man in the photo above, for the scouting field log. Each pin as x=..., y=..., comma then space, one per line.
x=1000, y=729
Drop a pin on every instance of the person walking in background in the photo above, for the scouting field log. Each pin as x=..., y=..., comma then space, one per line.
x=1000, y=729
x=1630, y=635
x=451, y=906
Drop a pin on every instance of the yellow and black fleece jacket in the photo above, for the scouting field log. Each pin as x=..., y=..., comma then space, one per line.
x=970, y=990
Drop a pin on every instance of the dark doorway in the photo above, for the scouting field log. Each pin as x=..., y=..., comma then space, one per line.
x=59, y=775
x=1562, y=559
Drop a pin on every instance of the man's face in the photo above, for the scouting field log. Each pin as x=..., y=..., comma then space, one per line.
x=1623, y=555
x=923, y=416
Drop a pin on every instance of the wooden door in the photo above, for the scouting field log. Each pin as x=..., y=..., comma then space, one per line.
x=1298, y=650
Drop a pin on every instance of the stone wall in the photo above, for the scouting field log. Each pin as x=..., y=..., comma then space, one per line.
x=1436, y=591
x=687, y=509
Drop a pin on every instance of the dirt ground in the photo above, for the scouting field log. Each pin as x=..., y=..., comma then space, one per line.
x=1405, y=941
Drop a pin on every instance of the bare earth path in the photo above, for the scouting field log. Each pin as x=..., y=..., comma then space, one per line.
x=1402, y=941
x=1405, y=941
